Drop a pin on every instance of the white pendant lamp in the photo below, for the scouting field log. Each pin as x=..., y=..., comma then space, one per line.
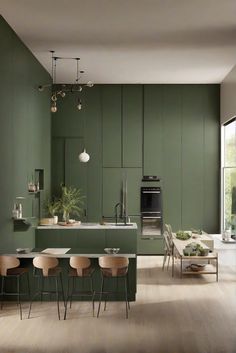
x=84, y=157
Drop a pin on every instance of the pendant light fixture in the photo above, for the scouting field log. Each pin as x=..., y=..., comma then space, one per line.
x=60, y=90
x=84, y=157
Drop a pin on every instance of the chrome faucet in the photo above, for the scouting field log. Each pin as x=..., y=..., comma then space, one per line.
x=122, y=212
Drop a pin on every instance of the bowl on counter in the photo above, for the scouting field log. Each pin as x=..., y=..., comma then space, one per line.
x=23, y=250
x=112, y=250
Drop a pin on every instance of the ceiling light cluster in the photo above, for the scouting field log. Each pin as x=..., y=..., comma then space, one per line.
x=60, y=90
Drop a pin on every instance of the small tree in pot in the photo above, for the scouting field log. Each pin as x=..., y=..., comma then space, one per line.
x=51, y=207
x=71, y=202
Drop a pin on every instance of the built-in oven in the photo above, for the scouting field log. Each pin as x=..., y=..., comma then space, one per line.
x=151, y=212
x=151, y=199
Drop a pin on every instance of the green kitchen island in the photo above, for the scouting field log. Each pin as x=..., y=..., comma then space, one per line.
x=90, y=239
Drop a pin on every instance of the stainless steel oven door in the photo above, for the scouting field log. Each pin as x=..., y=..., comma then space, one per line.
x=151, y=227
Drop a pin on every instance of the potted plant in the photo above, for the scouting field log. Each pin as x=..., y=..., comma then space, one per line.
x=51, y=207
x=71, y=202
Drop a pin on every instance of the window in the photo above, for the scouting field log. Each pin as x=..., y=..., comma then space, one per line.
x=229, y=174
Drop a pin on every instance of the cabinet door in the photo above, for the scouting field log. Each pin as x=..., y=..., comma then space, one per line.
x=112, y=186
x=153, y=106
x=132, y=125
x=192, y=157
x=211, y=158
x=134, y=177
x=112, y=189
x=111, y=120
x=124, y=239
x=58, y=165
x=94, y=147
x=172, y=155
x=75, y=172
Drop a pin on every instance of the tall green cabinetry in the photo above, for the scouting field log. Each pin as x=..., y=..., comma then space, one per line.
x=171, y=131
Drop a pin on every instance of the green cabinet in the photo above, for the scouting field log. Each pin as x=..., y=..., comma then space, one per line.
x=57, y=165
x=192, y=157
x=147, y=246
x=112, y=187
x=70, y=238
x=211, y=159
x=93, y=143
x=152, y=130
x=93, y=241
x=123, y=239
x=171, y=131
x=171, y=161
x=111, y=126
x=132, y=125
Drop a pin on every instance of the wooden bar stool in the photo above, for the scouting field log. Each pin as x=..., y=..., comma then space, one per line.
x=48, y=268
x=9, y=268
x=80, y=269
x=114, y=267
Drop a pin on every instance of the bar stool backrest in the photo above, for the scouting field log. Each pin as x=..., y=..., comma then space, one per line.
x=80, y=263
x=113, y=263
x=7, y=262
x=45, y=263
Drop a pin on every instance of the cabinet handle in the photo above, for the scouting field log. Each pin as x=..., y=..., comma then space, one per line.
x=151, y=192
x=151, y=217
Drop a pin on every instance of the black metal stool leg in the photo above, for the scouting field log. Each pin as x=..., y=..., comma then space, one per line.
x=62, y=290
x=57, y=294
x=31, y=302
x=67, y=297
x=28, y=284
x=18, y=295
x=126, y=297
x=100, y=298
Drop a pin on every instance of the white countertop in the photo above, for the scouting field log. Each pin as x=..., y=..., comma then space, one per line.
x=91, y=226
x=73, y=252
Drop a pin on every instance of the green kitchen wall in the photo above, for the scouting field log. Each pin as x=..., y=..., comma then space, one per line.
x=172, y=131
x=25, y=141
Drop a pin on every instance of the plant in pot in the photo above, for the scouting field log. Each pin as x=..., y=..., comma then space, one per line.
x=71, y=202
x=51, y=207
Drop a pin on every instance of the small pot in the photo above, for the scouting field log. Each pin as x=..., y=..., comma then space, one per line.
x=55, y=219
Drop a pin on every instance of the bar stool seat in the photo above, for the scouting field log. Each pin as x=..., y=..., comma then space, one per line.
x=80, y=269
x=47, y=268
x=8, y=270
x=114, y=267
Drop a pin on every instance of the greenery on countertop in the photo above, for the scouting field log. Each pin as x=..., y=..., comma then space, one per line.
x=71, y=202
x=51, y=206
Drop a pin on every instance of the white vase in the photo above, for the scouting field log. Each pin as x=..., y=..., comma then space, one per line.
x=55, y=219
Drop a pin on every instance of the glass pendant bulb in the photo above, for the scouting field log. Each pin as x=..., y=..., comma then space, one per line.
x=54, y=108
x=84, y=157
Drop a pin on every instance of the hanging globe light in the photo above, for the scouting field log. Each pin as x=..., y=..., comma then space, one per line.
x=84, y=157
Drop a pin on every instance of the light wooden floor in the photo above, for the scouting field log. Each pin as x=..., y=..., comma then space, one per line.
x=192, y=315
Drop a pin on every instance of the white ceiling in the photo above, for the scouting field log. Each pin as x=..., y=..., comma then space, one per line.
x=130, y=41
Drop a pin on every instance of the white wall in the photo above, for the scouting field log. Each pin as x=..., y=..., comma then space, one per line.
x=228, y=96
